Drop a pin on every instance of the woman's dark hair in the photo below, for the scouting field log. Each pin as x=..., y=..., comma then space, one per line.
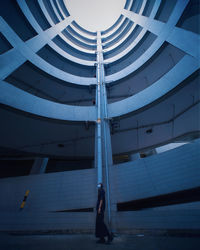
x=101, y=185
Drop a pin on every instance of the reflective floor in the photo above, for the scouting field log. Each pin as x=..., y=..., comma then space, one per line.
x=71, y=242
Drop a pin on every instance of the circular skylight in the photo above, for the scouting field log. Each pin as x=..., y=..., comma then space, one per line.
x=95, y=15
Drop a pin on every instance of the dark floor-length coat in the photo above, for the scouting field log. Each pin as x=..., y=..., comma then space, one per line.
x=101, y=229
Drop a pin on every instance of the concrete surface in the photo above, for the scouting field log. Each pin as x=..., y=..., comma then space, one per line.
x=85, y=241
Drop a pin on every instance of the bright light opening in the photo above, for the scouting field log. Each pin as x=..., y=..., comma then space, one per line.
x=95, y=15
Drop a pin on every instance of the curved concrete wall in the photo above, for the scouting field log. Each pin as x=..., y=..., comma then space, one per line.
x=164, y=173
x=171, y=171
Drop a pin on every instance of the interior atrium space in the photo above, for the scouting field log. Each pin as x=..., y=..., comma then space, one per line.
x=100, y=91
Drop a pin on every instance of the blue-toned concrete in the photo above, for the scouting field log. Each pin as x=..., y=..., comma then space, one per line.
x=56, y=11
x=171, y=171
x=120, y=37
x=28, y=53
x=103, y=139
x=77, y=55
x=140, y=82
x=41, y=107
x=167, y=83
x=83, y=32
x=77, y=41
x=113, y=27
x=59, y=9
x=46, y=13
x=79, y=36
x=136, y=40
x=76, y=45
x=164, y=31
x=116, y=33
x=34, y=23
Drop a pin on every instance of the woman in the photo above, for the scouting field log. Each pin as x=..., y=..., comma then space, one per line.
x=101, y=230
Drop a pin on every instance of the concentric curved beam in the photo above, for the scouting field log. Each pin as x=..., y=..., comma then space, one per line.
x=55, y=10
x=119, y=37
x=87, y=32
x=180, y=38
x=37, y=27
x=165, y=32
x=27, y=51
x=44, y=10
x=136, y=40
x=76, y=45
x=168, y=82
x=67, y=40
x=29, y=16
x=109, y=32
x=32, y=104
x=121, y=27
x=81, y=32
x=60, y=9
x=77, y=41
x=70, y=57
x=128, y=4
x=80, y=37
x=114, y=28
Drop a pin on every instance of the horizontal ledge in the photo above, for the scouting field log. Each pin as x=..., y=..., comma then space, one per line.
x=19, y=99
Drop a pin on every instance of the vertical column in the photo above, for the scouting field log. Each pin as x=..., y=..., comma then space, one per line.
x=103, y=139
x=107, y=148
x=99, y=116
x=39, y=166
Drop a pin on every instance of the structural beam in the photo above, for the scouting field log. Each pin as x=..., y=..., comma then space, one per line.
x=180, y=38
x=23, y=51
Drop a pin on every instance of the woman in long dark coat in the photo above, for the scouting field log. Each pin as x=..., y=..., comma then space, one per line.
x=101, y=230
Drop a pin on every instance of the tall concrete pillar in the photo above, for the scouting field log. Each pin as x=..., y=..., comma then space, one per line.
x=103, y=151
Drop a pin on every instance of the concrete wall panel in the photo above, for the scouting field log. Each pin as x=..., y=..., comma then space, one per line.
x=168, y=172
